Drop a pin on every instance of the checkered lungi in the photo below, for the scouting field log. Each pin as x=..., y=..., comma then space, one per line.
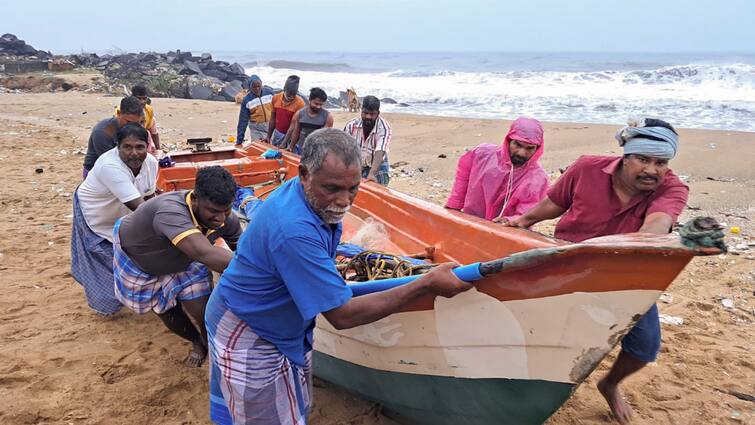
x=251, y=382
x=92, y=263
x=142, y=292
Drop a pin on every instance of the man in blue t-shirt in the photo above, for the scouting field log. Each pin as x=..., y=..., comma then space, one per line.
x=261, y=316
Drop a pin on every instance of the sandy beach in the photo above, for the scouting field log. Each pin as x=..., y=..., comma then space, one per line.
x=60, y=363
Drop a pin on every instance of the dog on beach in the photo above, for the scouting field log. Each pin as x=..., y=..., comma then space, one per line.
x=353, y=100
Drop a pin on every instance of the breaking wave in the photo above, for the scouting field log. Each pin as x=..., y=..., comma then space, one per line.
x=694, y=95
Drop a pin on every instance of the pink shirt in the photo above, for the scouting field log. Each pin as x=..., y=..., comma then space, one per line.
x=594, y=209
x=485, y=177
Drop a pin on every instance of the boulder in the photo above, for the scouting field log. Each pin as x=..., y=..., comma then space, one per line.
x=216, y=73
x=200, y=87
x=190, y=68
x=200, y=92
x=182, y=56
x=403, y=105
x=237, y=69
x=11, y=45
x=206, y=57
x=230, y=90
x=388, y=101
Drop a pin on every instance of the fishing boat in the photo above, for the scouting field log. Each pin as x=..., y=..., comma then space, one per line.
x=510, y=351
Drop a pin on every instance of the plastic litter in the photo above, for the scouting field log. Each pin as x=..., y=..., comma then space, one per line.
x=670, y=320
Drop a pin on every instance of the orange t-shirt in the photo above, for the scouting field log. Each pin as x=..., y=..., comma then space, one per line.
x=284, y=111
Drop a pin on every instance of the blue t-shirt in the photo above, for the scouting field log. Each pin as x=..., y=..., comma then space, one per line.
x=283, y=273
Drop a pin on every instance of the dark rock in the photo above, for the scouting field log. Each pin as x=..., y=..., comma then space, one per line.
x=237, y=69
x=182, y=56
x=199, y=87
x=388, y=101
x=216, y=73
x=206, y=57
x=403, y=105
x=230, y=91
x=190, y=68
x=11, y=45
x=217, y=98
x=200, y=92
x=442, y=155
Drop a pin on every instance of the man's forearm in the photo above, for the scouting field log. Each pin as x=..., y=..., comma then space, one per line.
x=156, y=140
x=373, y=307
x=216, y=258
x=658, y=223
x=271, y=126
x=377, y=161
x=544, y=210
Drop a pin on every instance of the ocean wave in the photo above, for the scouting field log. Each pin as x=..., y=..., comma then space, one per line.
x=718, y=96
x=309, y=66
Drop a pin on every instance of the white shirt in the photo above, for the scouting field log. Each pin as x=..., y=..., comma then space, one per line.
x=108, y=186
x=378, y=140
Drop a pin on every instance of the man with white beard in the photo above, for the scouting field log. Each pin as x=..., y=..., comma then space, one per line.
x=261, y=315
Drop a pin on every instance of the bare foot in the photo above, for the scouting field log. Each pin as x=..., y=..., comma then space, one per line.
x=197, y=355
x=621, y=410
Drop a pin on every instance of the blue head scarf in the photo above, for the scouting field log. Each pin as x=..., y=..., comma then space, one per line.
x=641, y=139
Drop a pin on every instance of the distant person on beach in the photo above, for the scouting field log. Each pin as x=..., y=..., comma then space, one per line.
x=120, y=181
x=150, y=123
x=373, y=135
x=256, y=111
x=308, y=119
x=103, y=136
x=285, y=105
x=164, y=251
x=609, y=195
x=495, y=181
x=261, y=316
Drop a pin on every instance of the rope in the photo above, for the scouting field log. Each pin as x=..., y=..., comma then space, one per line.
x=703, y=232
x=375, y=265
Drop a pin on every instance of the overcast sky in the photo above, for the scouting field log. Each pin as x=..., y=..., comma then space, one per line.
x=384, y=25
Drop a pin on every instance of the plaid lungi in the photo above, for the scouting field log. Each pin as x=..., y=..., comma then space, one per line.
x=92, y=264
x=251, y=382
x=142, y=292
x=382, y=176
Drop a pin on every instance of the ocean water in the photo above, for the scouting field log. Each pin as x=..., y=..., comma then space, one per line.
x=713, y=91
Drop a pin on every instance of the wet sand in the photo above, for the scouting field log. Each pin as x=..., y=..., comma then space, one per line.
x=62, y=364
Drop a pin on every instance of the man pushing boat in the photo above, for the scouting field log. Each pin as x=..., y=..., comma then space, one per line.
x=163, y=253
x=261, y=315
x=605, y=195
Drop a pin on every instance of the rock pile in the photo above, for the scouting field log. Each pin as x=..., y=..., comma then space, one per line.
x=13, y=48
x=171, y=74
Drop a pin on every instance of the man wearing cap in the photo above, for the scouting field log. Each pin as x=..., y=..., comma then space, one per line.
x=502, y=181
x=608, y=195
x=256, y=110
x=285, y=105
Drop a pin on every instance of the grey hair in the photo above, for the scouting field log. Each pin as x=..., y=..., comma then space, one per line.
x=320, y=142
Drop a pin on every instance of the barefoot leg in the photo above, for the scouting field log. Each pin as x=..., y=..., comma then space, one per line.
x=625, y=365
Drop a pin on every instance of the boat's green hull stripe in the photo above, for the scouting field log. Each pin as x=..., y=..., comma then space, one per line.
x=440, y=400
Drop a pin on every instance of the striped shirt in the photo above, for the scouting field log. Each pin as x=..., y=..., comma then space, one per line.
x=378, y=140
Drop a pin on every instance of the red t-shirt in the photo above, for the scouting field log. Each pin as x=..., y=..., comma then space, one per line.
x=284, y=111
x=594, y=209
